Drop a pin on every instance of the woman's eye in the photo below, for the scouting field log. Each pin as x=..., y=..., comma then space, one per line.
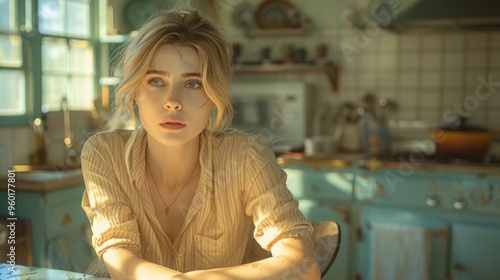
x=155, y=82
x=194, y=84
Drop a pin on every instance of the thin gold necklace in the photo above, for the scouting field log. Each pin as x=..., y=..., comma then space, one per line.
x=167, y=208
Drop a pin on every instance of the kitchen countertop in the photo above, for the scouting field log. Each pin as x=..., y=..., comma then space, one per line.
x=360, y=160
x=44, y=180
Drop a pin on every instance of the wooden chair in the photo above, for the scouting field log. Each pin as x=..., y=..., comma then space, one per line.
x=326, y=239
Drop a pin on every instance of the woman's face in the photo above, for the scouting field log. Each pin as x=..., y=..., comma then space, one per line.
x=173, y=105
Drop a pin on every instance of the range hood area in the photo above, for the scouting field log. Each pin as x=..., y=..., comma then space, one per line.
x=444, y=15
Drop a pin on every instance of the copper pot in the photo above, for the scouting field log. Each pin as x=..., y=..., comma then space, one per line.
x=462, y=140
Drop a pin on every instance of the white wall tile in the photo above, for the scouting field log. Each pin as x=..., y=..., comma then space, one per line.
x=431, y=59
x=409, y=79
x=432, y=41
x=454, y=40
x=478, y=40
x=431, y=79
x=407, y=113
x=430, y=98
x=493, y=119
x=408, y=98
x=495, y=39
x=495, y=59
x=410, y=42
x=454, y=59
x=432, y=115
x=24, y=145
x=387, y=80
x=477, y=59
x=452, y=96
x=387, y=61
x=453, y=79
x=388, y=43
x=410, y=60
x=472, y=78
x=367, y=61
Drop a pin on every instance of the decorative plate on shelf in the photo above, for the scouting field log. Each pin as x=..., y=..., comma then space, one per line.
x=275, y=14
x=242, y=15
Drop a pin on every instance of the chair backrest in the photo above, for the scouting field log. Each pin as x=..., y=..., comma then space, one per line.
x=326, y=239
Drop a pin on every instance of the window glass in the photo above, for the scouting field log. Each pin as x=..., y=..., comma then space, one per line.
x=64, y=17
x=54, y=89
x=78, y=23
x=8, y=16
x=12, y=96
x=55, y=55
x=51, y=16
x=11, y=51
x=82, y=97
x=82, y=56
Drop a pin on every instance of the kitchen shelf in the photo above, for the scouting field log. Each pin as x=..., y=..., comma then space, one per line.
x=276, y=32
x=117, y=39
x=329, y=69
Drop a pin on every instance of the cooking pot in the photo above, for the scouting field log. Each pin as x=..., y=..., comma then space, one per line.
x=462, y=140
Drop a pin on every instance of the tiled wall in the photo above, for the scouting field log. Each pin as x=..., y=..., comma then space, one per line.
x=426, y=74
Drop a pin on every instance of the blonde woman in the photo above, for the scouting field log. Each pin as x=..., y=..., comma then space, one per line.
x=180, y=196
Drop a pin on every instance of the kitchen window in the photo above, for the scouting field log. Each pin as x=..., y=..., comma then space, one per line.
x=49, y=56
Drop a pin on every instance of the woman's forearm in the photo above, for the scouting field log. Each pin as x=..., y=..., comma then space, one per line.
x=271, y=268
x=293, y=258
x=124, y=264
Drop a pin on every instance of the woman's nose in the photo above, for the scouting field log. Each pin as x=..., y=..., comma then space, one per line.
x=172, y=102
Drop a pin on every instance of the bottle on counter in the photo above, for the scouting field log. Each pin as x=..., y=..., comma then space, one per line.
x=374, y=137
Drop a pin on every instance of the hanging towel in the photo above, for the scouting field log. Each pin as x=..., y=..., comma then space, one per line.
x=399, y=252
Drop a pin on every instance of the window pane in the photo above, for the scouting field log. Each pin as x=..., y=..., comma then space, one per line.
x=78, y=24
x=11, y=51
x=12, y=94
x=54, y=89
x=8, y=16
x=55, y=55
x=82, y=95
x=82, y=57
x=51, y=16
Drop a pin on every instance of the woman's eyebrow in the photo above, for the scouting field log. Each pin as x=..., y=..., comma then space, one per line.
x=163, y=73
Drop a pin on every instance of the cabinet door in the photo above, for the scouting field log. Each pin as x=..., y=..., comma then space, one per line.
x=475, y=251
x=399, y=244
x=318, y=211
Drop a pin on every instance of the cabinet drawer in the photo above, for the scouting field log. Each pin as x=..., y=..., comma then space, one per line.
x=65, y=218
x=323, y=186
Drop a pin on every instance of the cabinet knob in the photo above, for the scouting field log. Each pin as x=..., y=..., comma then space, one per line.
x=459, y=203
x=66, y=220
x=432, y=200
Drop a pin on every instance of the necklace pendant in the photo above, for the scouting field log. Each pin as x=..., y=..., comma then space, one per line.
x=167, y=211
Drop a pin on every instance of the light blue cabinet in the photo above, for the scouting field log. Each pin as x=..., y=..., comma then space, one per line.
x=59, y=227
x=325, y=194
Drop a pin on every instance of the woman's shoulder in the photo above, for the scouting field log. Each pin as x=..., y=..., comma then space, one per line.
x=107, y=139
x=244, y=142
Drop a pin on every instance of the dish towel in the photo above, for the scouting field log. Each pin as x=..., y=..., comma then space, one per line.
x=399, y=252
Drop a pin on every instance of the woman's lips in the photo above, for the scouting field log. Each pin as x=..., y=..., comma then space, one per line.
x=172, y=125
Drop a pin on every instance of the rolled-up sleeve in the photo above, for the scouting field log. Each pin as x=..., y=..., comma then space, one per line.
x=275, y=213
x=104, y=201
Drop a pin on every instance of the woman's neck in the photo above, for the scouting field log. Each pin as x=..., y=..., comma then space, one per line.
x=172, y=165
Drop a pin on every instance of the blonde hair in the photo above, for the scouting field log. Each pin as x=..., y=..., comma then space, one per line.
x=179, y=27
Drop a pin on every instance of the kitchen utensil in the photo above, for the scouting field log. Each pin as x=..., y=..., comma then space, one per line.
x=71, y=158
x=319, y=146
x=462, y=140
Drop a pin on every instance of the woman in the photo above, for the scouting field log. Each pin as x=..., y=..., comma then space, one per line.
x=179, y=196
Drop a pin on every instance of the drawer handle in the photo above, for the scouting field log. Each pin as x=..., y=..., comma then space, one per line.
x=66, y=220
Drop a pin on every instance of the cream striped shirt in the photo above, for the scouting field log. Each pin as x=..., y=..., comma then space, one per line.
x=241, y=196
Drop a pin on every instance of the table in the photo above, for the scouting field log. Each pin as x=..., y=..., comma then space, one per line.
x=21, y=272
